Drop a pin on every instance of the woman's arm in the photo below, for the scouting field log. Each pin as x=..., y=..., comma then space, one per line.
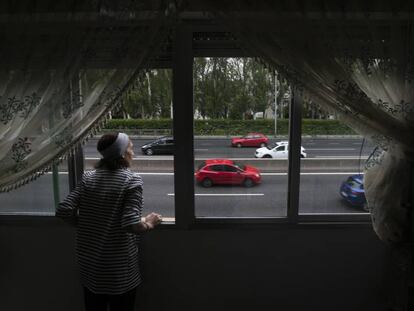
x=68, y=209
x=132, y=210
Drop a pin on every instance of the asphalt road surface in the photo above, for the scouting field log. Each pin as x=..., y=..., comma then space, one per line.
x=318, y=194
x=220, y=147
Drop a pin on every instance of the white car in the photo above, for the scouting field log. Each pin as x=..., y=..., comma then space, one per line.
x=278, y=150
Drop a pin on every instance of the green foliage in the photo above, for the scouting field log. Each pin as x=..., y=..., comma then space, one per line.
x=120, y=124
x=152, y=99
x=236, y=127
x=325, y=127
x=223, y=88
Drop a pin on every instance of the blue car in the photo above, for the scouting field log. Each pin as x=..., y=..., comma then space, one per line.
x=352, y=190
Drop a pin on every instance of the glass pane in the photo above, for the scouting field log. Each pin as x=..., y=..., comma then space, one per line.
x=146, y=117
x=239, y=170
x=332, y=165
x=37, y=197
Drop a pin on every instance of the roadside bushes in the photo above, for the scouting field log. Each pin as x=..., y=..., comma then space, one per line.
x=234, y=127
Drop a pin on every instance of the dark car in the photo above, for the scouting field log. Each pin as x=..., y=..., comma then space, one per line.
x=226, y=172
x=352, y=190
x=163, y=145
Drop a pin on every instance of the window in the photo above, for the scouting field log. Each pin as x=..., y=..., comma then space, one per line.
x=240, y=136
x=38, y=197
x=228, y=168
x=249, y=181
x=149, y=106
x=217, y=168
x=331, y=166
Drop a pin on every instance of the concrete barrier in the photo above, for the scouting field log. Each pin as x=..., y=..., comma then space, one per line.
x=264, y=165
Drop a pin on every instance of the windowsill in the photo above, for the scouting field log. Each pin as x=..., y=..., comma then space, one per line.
x=213, y=222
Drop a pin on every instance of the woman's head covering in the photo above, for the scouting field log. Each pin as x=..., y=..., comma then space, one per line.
x=117, y=148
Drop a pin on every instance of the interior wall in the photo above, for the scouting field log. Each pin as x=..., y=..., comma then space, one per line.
x=305, y=267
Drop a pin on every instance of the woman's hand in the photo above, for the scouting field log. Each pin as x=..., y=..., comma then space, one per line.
x=153, y=219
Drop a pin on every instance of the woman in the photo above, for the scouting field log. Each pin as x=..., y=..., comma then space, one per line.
x=106, y=207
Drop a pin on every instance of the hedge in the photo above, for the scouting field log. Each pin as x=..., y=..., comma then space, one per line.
x=235, y=127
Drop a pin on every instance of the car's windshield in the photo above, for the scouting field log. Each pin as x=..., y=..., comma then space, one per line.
x=273, y=145
x=240, y=165
x=354, y=183
x=202, y=164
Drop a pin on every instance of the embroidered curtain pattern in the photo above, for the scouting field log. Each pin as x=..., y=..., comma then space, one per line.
x=62, y=71
x=357, y=60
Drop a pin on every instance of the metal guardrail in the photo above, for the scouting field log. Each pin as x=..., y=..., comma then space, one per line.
x=142, y=132
x=264, y=165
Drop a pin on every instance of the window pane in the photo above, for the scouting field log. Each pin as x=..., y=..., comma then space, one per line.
x=147, y=118
x=332, y=165
x=37, y=197
x=235, y=129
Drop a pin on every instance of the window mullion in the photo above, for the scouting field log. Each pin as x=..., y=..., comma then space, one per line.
x=295, y=119
x=75, y=166
x=183, y=126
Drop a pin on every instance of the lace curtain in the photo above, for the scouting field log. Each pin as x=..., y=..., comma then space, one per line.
x=62, y=71
x=358, y=62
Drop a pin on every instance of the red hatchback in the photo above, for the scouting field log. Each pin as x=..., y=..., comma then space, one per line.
x=250, y=140
x=228, y=172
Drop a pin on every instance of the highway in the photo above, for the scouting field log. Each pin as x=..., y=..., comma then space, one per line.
x=220, y=147
x=318, y=190
x=318, y=194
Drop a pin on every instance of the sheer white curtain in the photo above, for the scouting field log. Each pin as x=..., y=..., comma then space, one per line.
x=357, y=60
x=62, y=71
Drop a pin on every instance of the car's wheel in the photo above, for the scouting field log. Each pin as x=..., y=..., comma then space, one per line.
x=149, y=151
x=207, y=182
x=302, y=156
x=239, y=145
x=267, y=156
x=248, y=183
x=263, y=145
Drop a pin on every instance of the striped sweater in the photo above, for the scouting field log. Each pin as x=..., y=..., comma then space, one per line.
x=103, y=204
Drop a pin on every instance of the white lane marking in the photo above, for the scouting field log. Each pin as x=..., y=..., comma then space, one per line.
x=336, y=149
x=222, y=194
x=198, y=149
x=336, y=173
x=340, y=157
x=61, y=173
x=27, y=213
x=356, y=213
x=155, y=174
x=316, y=173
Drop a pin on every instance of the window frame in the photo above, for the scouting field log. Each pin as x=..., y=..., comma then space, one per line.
x=183, y=53
x=294, y=140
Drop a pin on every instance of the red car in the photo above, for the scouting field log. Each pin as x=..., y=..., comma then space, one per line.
x=223, y=171
x=250, y=140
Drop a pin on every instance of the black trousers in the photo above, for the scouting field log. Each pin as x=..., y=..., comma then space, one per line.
x=100, y=302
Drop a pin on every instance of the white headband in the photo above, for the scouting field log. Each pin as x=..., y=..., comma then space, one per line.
x=117, y=148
